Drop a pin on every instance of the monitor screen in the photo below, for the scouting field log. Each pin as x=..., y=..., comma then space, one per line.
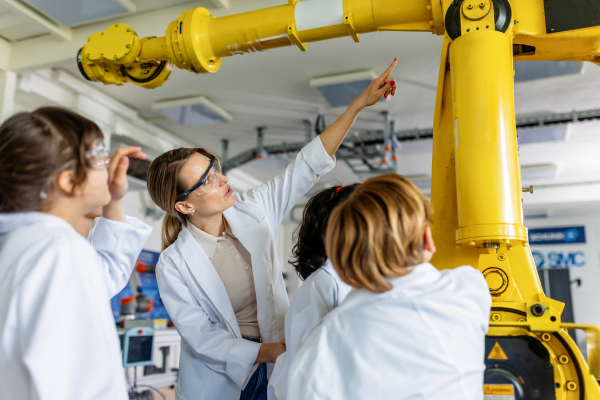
x=140, y=349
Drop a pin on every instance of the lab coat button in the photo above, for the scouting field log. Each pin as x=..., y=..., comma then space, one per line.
x=230, y=247
x=238, y=256
x=246, y=268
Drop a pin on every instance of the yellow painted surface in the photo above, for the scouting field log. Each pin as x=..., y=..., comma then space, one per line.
x=499, y=390
x=497, y=353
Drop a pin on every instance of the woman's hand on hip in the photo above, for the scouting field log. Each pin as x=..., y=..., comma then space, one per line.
x=268, y=352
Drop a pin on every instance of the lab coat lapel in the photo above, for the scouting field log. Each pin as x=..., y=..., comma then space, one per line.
x=250, y=226
x=207, y=277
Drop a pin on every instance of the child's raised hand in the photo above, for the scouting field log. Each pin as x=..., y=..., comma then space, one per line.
x=117, y=170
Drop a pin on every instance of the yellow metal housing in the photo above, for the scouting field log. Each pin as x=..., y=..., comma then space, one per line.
x=485, y=140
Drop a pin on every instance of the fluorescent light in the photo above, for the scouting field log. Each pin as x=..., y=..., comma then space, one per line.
x=532, y=70
x=192, y=111
x=73, y=12
x=540, y=171
x=335, y=79
x=547, y=133
x=340, y=89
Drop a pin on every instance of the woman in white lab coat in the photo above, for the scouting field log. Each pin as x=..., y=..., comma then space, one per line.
x=57, y=336
x=322, y=289
x=219, y=276
x=408, y=330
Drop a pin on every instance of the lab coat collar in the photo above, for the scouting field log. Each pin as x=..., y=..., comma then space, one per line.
x=207, y=241
x=206, y=276
x=421, y=273
x=12, y=221
x=409, y=285
x=328, y=266
x=246, y=207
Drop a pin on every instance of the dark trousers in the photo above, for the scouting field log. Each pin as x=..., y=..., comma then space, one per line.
x=256, y=389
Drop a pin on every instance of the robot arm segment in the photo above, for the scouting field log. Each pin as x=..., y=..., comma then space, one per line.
x=197, y=41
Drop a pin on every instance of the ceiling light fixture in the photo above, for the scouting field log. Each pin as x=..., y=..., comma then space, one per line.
x=192, y=111
x=340, y=89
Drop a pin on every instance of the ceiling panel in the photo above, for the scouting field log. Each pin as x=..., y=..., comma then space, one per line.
x=72, y=12
x=15, y=26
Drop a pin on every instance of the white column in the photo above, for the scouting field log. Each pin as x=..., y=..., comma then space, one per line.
x=8, y=85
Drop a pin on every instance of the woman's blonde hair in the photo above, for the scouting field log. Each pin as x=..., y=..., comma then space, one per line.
x=165, y=184
x=378, y=232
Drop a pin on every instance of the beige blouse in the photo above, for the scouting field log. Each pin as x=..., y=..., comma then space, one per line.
x=234, y=265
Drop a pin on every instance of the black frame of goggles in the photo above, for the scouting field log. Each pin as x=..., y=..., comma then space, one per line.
x=200, y=183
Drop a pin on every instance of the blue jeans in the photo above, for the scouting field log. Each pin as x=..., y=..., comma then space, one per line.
x=256, y=389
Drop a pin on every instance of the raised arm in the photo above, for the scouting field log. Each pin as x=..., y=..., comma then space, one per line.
x=119, y=239
x=278, y=196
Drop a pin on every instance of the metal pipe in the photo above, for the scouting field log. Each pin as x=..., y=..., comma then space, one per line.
x=308, y=129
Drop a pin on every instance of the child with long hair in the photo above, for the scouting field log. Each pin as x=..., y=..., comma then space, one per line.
x=322, y=290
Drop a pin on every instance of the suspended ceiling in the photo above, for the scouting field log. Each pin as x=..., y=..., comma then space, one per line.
x=272, y=88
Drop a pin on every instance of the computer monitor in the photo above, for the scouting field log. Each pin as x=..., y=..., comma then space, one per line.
x=138, y=347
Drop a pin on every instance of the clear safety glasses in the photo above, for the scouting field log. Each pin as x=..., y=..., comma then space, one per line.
x=208, y=181
x=99, y=156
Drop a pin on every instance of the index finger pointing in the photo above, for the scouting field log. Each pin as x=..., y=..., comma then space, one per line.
x=389, y=71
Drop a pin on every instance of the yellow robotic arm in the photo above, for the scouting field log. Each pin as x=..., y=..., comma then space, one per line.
x=476, y=191
x=198, y=42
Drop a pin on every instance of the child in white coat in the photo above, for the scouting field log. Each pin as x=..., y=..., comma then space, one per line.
x=322, y=290
x=408, y=331
x=58, y=339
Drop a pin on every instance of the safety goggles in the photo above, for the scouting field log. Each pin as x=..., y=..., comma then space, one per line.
x=99, y=156
x=207, y=183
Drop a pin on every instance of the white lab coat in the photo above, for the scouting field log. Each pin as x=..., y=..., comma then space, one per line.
x=58, y=339
x=424, y=339
x=216, y=363
x=320, y=293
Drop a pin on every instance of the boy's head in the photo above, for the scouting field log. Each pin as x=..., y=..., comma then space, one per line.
x=309, y=251
x=380, y=231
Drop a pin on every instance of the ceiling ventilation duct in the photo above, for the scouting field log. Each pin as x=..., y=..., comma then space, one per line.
x=548, y=133
x=74, y=12
x=192, y=111
x=532, y=70
x=340, y=89
x=538, y=172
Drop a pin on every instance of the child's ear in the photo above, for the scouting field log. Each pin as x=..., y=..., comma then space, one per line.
x=428, y=245
x=66, y=182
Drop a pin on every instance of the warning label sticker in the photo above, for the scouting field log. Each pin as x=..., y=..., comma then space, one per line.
x=498, y=392
x=497, y=353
